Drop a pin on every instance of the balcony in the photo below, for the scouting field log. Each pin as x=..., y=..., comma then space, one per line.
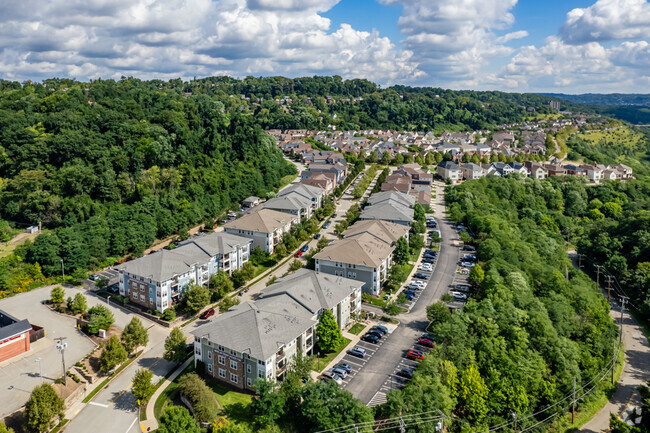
x=309, y=332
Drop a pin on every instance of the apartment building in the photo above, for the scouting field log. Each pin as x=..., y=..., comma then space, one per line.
x=259, y=339
x=265, y=227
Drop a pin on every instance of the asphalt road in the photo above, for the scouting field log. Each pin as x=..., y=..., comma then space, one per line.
x=367, y=384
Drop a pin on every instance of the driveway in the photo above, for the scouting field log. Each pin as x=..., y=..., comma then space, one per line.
x=370, y=384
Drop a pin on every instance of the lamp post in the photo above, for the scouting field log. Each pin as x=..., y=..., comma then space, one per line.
x=40, y=369
x=61, y=346
x=63, y=270
x=108, y=300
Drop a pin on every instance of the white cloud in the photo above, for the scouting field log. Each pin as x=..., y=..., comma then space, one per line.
x=607, y=20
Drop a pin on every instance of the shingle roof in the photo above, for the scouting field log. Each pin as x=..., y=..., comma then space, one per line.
x=383, y=230
x=313, y=290
x=11, y=327
x=308, y=191
x=364, y=249
x=403, y=198
x=164, y=264
x=264, y=221
x=216, y=243
x=259, y=329
x=293, y=202
x=389, y=211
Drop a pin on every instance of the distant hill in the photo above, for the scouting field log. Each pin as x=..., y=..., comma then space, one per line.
x=605, y=98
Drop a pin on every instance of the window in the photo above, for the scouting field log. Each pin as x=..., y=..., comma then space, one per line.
x=210, y=368
x=249, y=381
x=221, y=359
x=142, y=298
x=260, y=374
x=209, y=354
x=248, y=368
x=234, y=378
x=222, y=373
x=233, y=364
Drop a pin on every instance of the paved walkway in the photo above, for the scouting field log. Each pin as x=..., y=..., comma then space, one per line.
x=152, y=423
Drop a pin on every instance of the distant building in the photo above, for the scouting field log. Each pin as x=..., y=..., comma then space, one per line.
x=554, y=104
x=264, y=227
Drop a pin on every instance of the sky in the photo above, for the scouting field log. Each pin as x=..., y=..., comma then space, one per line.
x=567, y=46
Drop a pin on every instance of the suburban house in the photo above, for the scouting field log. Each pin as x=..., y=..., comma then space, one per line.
x=626, y=172
x=340, y=171
x=364, y=254
x=472, y=171
x=555, y=170
x=324, y=181
x=575, y=170
x=611, y=174
x=14, y=336
x=264, y=227
x=259, y=339
x=536, y=170
x=250, y=201
x=449, y=170
x=387, y=196
x=594, y=173
x=156, y=281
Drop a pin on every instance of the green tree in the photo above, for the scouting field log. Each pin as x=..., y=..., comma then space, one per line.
x=438, y=313
x=5, y=429
x=385, y=158
x=322, y=243
x=200, y=395
x=113, y=354
x=221, y=284
x=268, y=404
x=79, y=304
x=401, y=252
x=169, y=314
x=392, y=309
x=196, y=297
x=227, y=303
x=328, y=332
x=99, y=317
x=58, y=295
x=175, y=347
x=472, y=394
x=134, y=335
x=295, y=265
x=101, y=283
x=143, y=388
x=176, y=419
x=43, y=406
x=243, y=274
x=325, y=406
x=476, y=275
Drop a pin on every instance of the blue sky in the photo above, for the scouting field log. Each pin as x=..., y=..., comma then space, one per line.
x=571, y=46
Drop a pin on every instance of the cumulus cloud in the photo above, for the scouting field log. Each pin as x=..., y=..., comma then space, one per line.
x=167, y=38
x=607, y=20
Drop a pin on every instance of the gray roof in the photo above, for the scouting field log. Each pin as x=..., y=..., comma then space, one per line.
x=387, y=212
x=449, y=165
x=164, y=264
x=251, y=199
x=259, y=329
x=263, y=221
x=288, y=202
x=400, y=197
x=216, y=244
x=471, y=166
x=311, y=289
x=308, y=191
x=12, y=327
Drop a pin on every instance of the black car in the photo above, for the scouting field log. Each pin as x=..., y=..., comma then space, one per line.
x=428, y=260
x=370, y=338
x=468, y=248
x=345, y=367
x=377, y=330
x=317, y=236
x=430, y=252
x=382, y=328
x=376, y=333
x=421, y=276
x=406, y=372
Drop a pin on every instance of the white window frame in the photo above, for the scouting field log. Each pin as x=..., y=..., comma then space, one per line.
x=221, y=359
x=222, y=373
x=234, y=378
x=233, y=364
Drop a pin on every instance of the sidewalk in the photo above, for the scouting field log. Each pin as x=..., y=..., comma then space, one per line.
x=151, y=422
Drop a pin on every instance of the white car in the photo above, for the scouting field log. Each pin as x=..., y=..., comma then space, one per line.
x=425, y=267
x=467, y=264
x=418, y=283
x=458, y=295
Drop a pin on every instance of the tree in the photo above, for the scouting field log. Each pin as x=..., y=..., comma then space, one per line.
x=322, y=243
x=113, y=354
x=438, y=313
x=328, y=332
x=134, y=335
x=295, y=265
x=176, y=419
x=142, y=387
x=392, y=309
x=196, y=297
x=401, y=252
x=99, y=317
x=476, y=275
x=175, y=347
x=79, y=304
x=58, y=295
x=221, y=284
x=325, y=406
x=227, y=303
x=385, y=158
x=472, y=394
x=5, y=429
x=169, y=314
x=101, y=283
x=200, y=395
x=268, y=404
x=243, y=274
x=42, y=407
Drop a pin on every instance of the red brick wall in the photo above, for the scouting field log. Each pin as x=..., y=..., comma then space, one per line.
x=9, y=350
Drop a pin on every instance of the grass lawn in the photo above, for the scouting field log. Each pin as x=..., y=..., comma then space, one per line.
x=327, y=358
x=408, y=268
x=234, y=404
x=286, y=180
x=357, y=328
x=169, y=392
x=377, y=302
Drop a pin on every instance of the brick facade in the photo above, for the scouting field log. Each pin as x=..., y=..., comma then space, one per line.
x=13, y=347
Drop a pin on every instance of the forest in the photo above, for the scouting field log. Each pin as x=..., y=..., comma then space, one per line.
x=108, y=167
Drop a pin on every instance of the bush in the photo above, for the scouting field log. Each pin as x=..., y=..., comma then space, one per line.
x=392, y=309
x=100, y=317
x=169, y=314
x=200, y=395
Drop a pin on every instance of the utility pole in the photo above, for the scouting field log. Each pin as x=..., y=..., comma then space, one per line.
x=598, y=276
x=514, y=415
x=620, y=322
x=609, y=287
x=63, y=271
x=613, y=359
x=573, y=405
x=62, y=346
x=40, y=368
x=402, y=426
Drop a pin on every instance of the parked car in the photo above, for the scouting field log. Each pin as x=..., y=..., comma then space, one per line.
x=370, y=338
x=207, y=313
x=468, y=248
x=425, y=342
x=431, y=337
x=113, y=288
x=406, y=372
x=413, y=286
x=415, y=355
x=428, y=260
x=458, y=295
x=377, y=333
x=346, y=367
x=431, y=252
x=328, y=376
x=299, y=253
x=382, y=328
x=467, y=264
x=335, y=215
x=339, y=371
x=422, y=284
x=425, y=267
x=421, y=276
x=357, y=351
x=93, y=277
x=463, y=288
x=304, y=249
x=317, y=236
x=409, y=296
x=326, y=225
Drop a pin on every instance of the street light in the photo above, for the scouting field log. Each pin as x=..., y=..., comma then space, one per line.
x=108, y=300
x=61, y=346
x=40, y=368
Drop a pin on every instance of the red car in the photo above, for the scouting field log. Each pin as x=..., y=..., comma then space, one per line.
x=415, y=355
x=207, y=313
x=299, y=254
x=425, y=342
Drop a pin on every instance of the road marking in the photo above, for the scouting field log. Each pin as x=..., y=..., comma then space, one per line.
x=377, y=399
x=120, y=394
x=77, y=411
x=131, y=426
x=96, y=404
